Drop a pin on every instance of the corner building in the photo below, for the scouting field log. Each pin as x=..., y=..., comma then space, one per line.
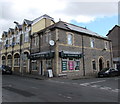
x=75, y=51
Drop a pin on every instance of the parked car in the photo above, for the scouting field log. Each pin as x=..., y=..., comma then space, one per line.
x=6, y=69
x=109, y=72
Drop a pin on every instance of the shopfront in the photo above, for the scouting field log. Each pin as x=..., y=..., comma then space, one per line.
x=70, y=61
x=40, y=62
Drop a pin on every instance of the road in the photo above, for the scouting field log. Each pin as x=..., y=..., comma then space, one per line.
x=24, y=89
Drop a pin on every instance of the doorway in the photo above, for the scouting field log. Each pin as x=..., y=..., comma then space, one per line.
x=100, y=64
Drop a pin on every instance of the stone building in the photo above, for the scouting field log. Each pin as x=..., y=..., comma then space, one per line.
x=69, y=50
x=16, y=43
x=114, y=36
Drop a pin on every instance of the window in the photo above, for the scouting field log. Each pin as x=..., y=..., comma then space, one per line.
x=77, y=65
x=106, y=45
x=49, y=63
x=3, y=62
x=94, y=65
x=70, y=39
x=48, y=37
x=92, y=42
x=16, y=61
x=70, y=64
x=34, y=65
x=10, y=41
x=17, y=39
x=36, y=41
x=26, y=36
x=9, y=62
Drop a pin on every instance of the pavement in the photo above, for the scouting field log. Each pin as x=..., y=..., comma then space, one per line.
x=60, y=77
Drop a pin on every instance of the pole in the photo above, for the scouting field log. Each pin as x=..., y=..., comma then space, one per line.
x=83, y=56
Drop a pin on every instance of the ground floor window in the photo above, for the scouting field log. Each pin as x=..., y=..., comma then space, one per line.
x=69, y=64
x=49, y=63
x=34, y=65
x=9, y=62
x=16, y=61
x=3, y=62
x=94, y=65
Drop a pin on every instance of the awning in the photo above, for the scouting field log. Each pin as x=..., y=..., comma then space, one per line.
x=68, y=54
x=41, y=55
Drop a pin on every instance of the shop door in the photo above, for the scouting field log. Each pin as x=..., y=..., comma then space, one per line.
x=40, y=69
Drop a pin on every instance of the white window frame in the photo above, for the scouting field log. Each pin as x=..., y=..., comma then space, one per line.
x=106, y=44
x=70, y=39
x=92, y=42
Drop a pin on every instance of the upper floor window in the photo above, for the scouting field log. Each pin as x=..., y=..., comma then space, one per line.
x=36, y=41
x=92, y=42
x=48, y=37
x=26, y=37
x=106, y=44
x=70, y=39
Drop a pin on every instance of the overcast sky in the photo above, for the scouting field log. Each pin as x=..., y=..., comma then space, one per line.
x=72, y=11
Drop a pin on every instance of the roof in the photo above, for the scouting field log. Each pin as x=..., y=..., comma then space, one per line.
x=43, y=16
x=20, y=27
x=112, y=29
x=11, y=29
x=72, y=27
x=4, y=32
x=28, y=21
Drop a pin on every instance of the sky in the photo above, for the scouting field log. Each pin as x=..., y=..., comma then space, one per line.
x=96, y=15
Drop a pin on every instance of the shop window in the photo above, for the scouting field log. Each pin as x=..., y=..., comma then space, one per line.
x=77, y=65
x=70, y=39
x=70, y=64
x=64, y=65
x=94, y=65
x=49, y=63
x=34, y=65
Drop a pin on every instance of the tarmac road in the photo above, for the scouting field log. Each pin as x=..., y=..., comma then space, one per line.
x=24, y=89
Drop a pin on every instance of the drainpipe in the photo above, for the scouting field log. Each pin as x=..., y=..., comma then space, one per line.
x=111, y=55
x=83, y=56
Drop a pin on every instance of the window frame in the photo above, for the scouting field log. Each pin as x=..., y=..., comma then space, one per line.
x=92, y=42
x=70, y=38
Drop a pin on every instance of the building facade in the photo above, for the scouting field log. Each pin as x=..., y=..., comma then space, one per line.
x=16, y=43
x=114, y=36
x=69, y=50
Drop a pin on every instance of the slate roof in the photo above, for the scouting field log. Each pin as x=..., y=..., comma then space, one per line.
x=43, y=16
x=28, y=21
x=20, y=27
x=72, y=27
x=113, y=29
x=12, y=30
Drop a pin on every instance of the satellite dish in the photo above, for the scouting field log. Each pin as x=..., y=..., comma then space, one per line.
x=51, y=42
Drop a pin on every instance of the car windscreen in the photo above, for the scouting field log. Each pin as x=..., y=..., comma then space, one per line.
x=103, y=70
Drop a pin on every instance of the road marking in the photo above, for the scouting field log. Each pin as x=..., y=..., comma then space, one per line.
x=105, y=88
x=87, y=84
x=95, y=86
x=115, y=90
